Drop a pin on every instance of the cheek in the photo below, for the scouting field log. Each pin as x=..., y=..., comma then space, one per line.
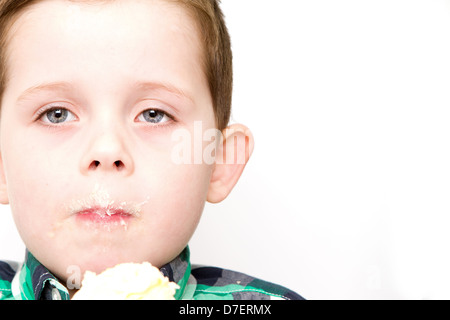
x=31, y=206
x=33, y=183
x=31, y=177
x=181, y=199
x=185, y=188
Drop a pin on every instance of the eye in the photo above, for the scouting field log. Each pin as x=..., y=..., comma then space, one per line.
x=57, y=116
x=154, y=116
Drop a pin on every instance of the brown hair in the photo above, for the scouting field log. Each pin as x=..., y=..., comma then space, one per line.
x=212, y=29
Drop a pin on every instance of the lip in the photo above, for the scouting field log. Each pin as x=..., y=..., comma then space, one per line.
x=99, y=209
x=104, y=215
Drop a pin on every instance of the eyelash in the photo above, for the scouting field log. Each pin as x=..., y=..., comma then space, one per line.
x=170, y=120
x=41, y=113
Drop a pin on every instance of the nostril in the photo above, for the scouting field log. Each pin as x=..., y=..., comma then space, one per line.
x=94, y=165
x=119, y=165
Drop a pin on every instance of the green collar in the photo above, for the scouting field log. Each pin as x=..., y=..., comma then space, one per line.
x=35, y=282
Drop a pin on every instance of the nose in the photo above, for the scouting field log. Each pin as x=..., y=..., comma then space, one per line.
x=118, y=165
x=107, y=153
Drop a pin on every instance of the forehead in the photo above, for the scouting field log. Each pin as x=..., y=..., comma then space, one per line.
x=113, y=39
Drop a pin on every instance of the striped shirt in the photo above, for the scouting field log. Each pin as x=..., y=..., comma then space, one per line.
x=32, y=281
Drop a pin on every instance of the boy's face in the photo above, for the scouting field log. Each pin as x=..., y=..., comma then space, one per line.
x=95, y=92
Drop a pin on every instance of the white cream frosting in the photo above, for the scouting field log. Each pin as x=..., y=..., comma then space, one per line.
x=128, y=281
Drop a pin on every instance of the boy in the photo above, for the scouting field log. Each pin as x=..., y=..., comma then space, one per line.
x=93, y=94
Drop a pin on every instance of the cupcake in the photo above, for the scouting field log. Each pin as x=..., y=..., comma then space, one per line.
x=127, y=281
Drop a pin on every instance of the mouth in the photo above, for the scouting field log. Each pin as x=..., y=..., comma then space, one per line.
x=98, y=209
x=105, y=215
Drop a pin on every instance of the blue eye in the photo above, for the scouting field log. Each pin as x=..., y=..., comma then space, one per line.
x=154, y=116
x=57, y=115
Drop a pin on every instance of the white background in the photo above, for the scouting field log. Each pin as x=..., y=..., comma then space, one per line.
x=347, y=193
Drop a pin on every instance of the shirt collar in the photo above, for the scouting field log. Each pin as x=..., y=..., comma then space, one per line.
x=36, y=282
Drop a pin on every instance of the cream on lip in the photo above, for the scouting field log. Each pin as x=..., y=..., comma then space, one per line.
x=100, y=202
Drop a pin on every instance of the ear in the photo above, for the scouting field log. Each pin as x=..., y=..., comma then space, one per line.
x=233, y=153
x=3, y=189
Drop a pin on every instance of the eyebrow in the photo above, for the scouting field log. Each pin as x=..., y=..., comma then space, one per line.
x=156, y=86
x=51, y=86
x=66, y=86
